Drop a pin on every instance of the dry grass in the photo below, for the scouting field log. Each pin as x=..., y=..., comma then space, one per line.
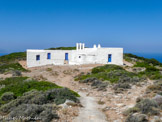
x=55, y=73
x=49, y=69
x=101, y=102
x=40, y=78
x=67, y=72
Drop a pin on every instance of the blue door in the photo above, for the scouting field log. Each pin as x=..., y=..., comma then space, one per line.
x=66, y=57
x=109, y=57
x=49, y=56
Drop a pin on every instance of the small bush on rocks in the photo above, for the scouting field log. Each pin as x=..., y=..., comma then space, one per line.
x=34, y=112
x=7, y=96
x=144, y=106
x=128, y=79
x=58, y=96
x=139, y=99
x=20, y=85
x=155, y=88
x=88, y=80
x=112, y=73
x=158, y=99
x=131, y=111
x=11, y=67
x=119, y=87
x=49, y=69
x=148, y=106
x=106, y=68
x=25, y=99
x=122, y=85
x=136, y=118
x=100, y=85
x=16, y=73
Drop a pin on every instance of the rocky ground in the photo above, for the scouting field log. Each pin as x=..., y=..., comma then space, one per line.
x=97, y=104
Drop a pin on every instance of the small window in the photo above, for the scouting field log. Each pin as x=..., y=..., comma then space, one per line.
x=37, y=57
x=48, y=55
x=79, y=56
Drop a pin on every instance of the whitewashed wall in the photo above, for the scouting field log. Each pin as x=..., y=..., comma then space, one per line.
x=87, y=56
x=98, y=56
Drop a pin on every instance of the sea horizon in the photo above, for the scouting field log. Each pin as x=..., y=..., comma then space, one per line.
x=157, y=56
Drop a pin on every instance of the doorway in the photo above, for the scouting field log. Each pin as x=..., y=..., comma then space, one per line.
x=109, y=57
x=66, y=57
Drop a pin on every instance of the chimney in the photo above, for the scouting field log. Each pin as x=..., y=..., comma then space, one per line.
x=94, y=46
x=83, y=46
x=77, y=46
x=99, y=46
x=80, y=46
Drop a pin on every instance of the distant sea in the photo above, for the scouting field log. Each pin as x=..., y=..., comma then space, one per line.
x=145, y=55
x=1, y=54
x=157, y=56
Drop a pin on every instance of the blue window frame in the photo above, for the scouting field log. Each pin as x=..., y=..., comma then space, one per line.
x=66, y=57
x=37, y=57
x=48, y=55
x=109, y=57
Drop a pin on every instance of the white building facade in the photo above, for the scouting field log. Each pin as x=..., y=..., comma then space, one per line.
x=82, y=55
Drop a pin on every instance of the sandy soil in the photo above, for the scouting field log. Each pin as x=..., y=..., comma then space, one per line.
x=61, y=75
x=4, y=76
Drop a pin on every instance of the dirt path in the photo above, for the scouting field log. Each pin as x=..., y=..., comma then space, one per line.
x=90, y=111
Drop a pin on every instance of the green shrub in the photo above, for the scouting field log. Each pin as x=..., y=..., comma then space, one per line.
x=156, y=87
x=49, y=69
x=35, y=112
x=59, y=96
x=106, y=68
x=11, y=67
x=16, y=73
x=10, y=62
x=148, y=67
x=122, y=85
x=95, y=83
x=19, y=85
x=13, y=57
x=111, y=73
x=148, y=106
x=153, y=75
x=131, y=111
x=7, y=96
x=136, y=118
x=56, y=95
x=152, y=61
x=144, y=106
x=151, y=69
x=141, y=64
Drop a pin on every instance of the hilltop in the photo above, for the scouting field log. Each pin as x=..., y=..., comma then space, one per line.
x=131, y=92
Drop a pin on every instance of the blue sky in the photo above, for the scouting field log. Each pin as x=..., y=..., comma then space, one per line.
x=135, y=25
